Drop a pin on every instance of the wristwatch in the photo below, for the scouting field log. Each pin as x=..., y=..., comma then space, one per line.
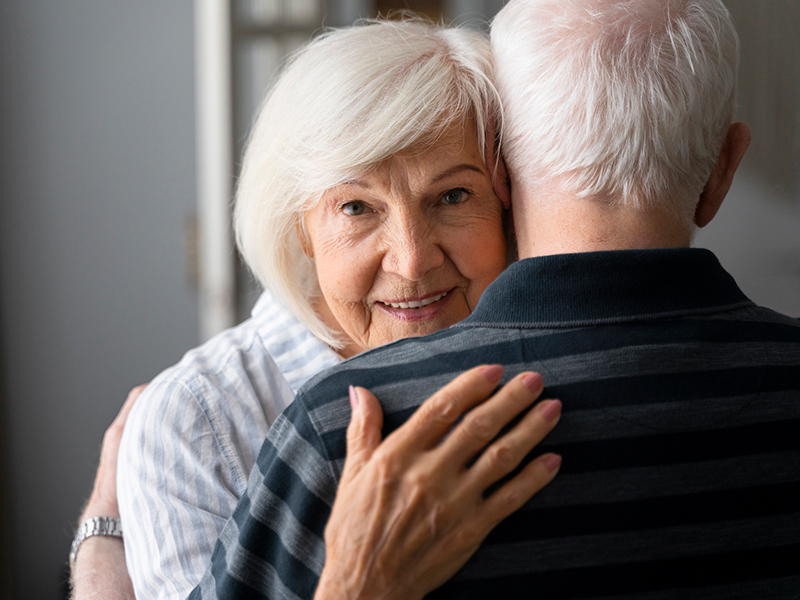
x=90, y=527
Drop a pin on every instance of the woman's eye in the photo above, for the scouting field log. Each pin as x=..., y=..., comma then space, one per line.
x=456, y=196
x=353, y=209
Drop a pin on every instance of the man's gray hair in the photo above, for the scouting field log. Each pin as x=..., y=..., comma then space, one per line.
x=628, y=100
x=346, y=101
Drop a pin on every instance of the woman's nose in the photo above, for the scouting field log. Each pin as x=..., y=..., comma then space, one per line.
x=413, y=250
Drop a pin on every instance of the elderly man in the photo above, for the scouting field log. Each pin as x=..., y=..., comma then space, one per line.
x=680, y=432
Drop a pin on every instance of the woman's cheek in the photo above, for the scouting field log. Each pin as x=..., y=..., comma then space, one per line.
x=478, y=246
x=346, y=269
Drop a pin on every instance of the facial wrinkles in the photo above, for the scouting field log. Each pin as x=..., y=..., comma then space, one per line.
x=409, y=249
x=408, y=244
x=419, y=234
x=405, y=231
x=412, y=250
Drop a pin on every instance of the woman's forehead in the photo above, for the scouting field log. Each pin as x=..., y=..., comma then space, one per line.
x=454, y=152
x=457, y=140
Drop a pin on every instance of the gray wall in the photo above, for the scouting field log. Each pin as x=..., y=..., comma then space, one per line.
x=756, y=234
x=96, y=184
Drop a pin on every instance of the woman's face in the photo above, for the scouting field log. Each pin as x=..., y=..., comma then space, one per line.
x=408, y=248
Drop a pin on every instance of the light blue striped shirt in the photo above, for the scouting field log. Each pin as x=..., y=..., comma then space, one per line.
x=193, y=437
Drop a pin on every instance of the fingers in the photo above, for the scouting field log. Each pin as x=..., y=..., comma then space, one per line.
x=485, y=422
x=515, y=493
x=364, y=430
x=436, y=416
x=505, y=454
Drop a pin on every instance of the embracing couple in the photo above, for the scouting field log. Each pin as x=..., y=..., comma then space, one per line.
x=375, y=207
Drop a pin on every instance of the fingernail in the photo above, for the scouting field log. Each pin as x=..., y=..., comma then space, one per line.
x=551, y=409
x=493, y=373
x=552, y=462
x=533, y=381
x=353, y=398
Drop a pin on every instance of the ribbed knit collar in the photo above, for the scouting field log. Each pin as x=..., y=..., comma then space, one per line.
x=593, y=288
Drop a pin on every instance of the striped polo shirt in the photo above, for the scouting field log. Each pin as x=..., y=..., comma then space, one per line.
x=680, y=437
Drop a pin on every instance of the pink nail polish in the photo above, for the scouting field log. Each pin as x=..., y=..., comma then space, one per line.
x=552, y=462
x=353, y=398
x=493, y=373
x=551, y=409
x=533, y=381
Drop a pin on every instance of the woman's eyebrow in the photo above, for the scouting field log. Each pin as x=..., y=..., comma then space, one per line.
x=443, y=175
x=457, y=169
x=357, y=182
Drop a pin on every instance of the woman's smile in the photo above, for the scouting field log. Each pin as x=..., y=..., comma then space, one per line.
x=418, y=309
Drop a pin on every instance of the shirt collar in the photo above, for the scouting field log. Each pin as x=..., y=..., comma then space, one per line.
x=571, y=290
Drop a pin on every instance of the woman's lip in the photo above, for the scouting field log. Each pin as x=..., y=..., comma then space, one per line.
x=423, y=313
x=415, y=303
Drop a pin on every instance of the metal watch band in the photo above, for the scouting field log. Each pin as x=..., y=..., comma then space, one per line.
x=90, y=527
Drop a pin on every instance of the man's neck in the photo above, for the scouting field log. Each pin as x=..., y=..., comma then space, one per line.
x=568, y=225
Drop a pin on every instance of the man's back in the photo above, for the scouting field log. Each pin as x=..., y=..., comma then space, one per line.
x=680, y=433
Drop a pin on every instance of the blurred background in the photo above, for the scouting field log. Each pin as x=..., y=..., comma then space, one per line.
x=121, y=129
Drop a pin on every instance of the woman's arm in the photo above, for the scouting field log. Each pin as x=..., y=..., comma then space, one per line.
x=99, y=571
x=100, y=574
x=411, y=510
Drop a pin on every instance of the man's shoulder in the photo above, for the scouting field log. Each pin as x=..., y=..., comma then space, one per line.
x=402, y=361
x=767, y=315
x=763, y=325
x=402, y=375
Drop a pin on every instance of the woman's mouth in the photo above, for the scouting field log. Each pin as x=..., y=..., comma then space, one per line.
x=415, y=303
x=420, y=309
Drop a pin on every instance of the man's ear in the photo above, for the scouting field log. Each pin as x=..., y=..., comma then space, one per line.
x=733, y=149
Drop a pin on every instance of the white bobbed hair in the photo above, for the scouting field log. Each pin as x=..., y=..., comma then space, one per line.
x=626, y=100
x=344, y=102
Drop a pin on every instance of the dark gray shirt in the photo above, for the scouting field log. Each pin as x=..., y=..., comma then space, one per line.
x=680, y=438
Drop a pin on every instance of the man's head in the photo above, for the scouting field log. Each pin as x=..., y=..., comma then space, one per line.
x=623, y=102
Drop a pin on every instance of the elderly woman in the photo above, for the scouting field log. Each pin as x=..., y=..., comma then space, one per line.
x=368, y=209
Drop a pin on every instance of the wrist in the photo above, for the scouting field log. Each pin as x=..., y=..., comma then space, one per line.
x=93, y=526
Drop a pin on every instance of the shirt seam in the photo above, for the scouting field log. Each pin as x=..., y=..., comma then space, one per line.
x=604, y=321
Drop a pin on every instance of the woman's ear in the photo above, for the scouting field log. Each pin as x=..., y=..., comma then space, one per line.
x=498, y=174
x=733, y=149
x=499, y=177
x=302, y=237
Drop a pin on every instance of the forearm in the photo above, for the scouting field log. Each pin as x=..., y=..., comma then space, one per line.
x=98, y=569
x=99, y=572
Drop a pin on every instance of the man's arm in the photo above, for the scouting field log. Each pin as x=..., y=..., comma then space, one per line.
x=409, y=510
